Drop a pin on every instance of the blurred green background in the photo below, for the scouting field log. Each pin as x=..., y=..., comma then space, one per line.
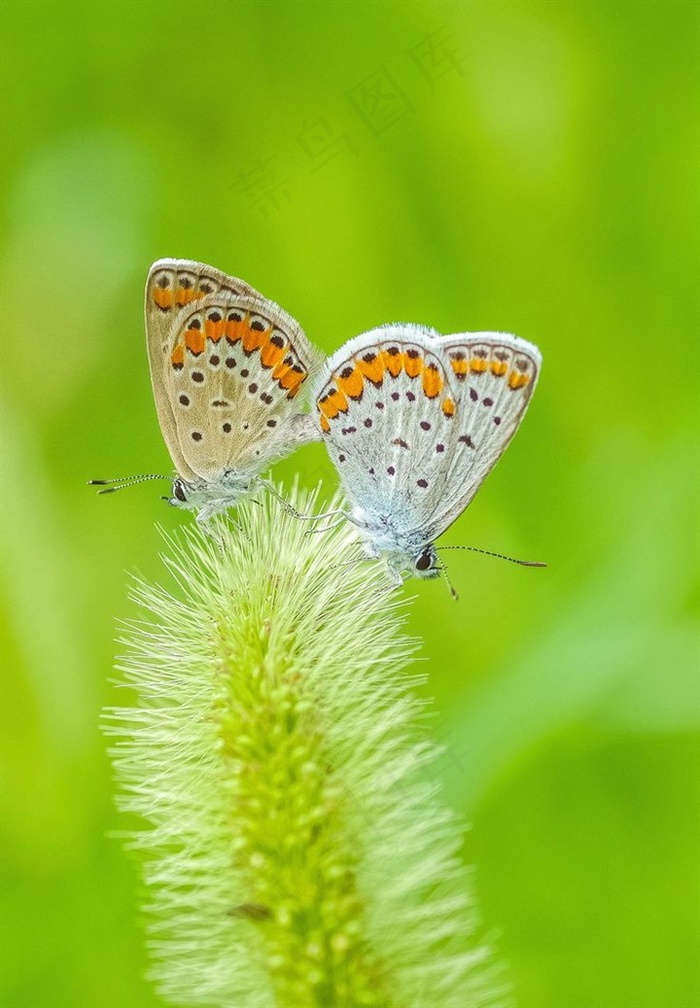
x=521, y=166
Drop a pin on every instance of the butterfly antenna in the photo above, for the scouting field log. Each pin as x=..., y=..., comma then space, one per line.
x=453, y=590
x=500, y=556
x=126, y=481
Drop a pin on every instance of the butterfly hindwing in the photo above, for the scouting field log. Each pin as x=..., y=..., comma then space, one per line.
x=174, y=285
x=494, y=376
x=235, y=369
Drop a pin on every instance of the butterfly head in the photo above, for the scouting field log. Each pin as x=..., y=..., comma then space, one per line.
x=408, y=554
x=179, y=496
x=211, y=496
x=425, y=564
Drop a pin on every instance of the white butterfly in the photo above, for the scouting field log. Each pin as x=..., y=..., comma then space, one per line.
x=414, y=422
x=227, y=366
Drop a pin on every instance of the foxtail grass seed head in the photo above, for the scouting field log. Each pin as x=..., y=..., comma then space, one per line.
x=296, y=853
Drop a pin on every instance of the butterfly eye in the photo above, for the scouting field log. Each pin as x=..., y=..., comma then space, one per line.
x=179, y=491
x=424, y=561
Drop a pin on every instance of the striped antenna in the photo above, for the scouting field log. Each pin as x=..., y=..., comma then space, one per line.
x=500, y=556
x=453, y=590
x=126, y=481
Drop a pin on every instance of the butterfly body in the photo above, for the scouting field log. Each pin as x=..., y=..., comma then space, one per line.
x=414, y=422
x=209, y=497
x=405, y=549
x=227, y=366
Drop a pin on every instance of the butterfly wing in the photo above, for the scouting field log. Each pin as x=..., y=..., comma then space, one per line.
x=171, y=286
x=175, y=289
x=386, y=410
x=235, y=366
x=400, y=421
x=493, y=376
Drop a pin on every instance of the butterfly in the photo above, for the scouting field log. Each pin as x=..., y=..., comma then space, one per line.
x=227, y=368
x=414, y=422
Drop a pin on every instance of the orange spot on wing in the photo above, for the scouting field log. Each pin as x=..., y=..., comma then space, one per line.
x=372, y=369
x=460, y=367
x=517, y=379
x=448, y=408
x=289, y=375
x=271, y=354
x=498, y=368
x=163, y=298
x=432, y=381
x=183, y=295
x=325, y=426
x=194, y=341
x=177, y=357
x=412, y=364
x=392, y=362
x=214, y=330
x=351, y=382
x=478, y=365
x=282, y=369
x=233, y=330
x=253, y=339
x=292, y=380
x=333, y=403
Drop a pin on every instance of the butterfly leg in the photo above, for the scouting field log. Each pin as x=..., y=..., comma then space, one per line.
x=211, y=530
x=297, y=514
x=395, y=574
x=348, y=563
x=205, y=514
x=209, y=527
x=324, y=514
x=329, y=514
x=271, y=489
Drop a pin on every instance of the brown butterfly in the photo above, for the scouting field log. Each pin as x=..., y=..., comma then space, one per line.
x=228, y=368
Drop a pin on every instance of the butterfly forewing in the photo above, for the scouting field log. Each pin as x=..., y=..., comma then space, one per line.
x=232, y=376
x=173, y=286
x=387, y=413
